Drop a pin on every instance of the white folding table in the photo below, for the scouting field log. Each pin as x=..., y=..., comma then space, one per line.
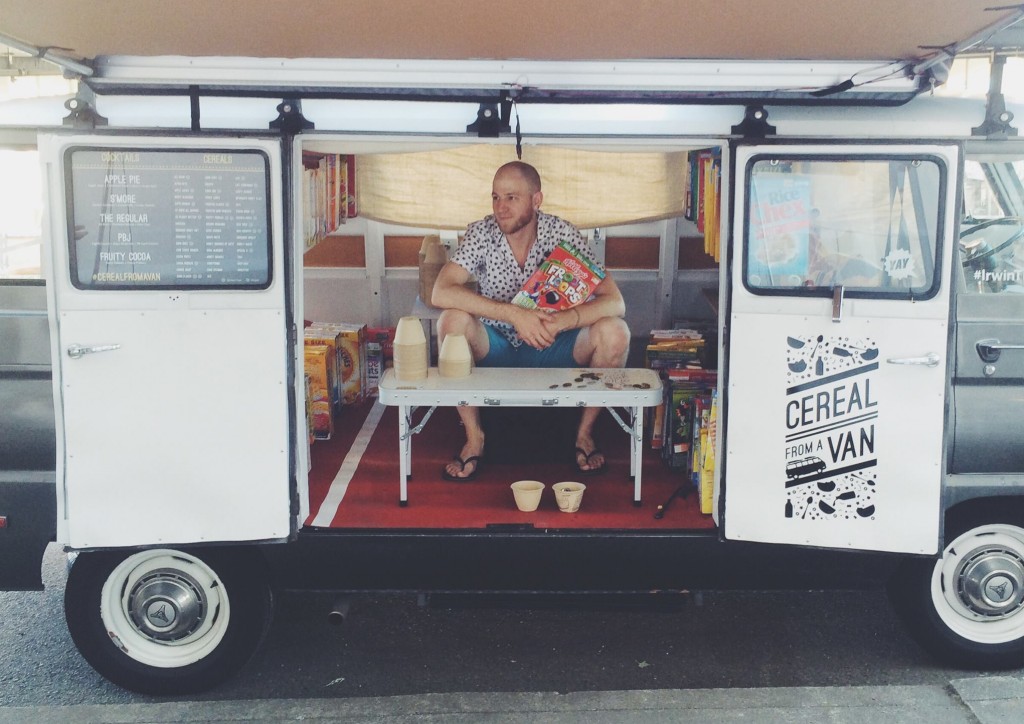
x=631, y=388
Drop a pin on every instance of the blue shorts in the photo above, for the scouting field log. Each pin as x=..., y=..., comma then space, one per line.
x=502, y=354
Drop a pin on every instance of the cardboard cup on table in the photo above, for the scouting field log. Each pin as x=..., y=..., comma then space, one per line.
x=455, y=358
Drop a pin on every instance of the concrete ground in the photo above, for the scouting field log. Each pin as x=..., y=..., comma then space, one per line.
x=979, y=700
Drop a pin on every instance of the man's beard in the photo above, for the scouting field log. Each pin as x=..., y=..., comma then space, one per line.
x=517, y=224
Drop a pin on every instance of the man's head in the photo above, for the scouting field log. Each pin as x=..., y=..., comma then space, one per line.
x=516, y=196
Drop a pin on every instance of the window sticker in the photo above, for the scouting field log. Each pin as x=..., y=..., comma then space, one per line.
x=830, y=460
x=899, y=265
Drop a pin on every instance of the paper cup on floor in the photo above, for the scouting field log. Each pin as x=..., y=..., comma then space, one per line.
x=527, y=494
x=568, y=496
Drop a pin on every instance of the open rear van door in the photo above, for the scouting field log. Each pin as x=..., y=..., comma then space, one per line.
x=837, y=347
x=170, y=339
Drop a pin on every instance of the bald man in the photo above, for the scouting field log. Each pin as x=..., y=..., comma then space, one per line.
x=503, y=250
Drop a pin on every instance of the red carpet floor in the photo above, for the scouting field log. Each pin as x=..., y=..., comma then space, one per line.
x=371, y=498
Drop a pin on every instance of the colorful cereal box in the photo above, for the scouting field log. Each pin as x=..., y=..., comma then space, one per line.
x=379, y=351
x=320, y=361
x=351, y=357
x=319, y=336
x=567, y=277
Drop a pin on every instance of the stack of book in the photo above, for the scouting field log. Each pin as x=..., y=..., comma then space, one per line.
x=681, y=424
x=328, y=194
x=702, y=204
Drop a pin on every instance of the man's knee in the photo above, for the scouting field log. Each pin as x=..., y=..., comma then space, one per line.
x=454, y=321
x=612, y=334
x=609, y=339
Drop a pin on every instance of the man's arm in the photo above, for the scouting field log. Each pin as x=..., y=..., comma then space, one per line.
x=606, y=301
x=450, y=293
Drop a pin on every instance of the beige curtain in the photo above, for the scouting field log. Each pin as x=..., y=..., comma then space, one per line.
x=449, y=189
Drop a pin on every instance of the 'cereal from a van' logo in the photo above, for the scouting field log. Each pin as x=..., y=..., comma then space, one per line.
x=830, y=428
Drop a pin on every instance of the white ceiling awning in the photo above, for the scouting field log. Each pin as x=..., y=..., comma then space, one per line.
x=541, y=51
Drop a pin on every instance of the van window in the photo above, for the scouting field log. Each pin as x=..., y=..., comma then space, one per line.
x=21, y=214
x=168, y=218
x=992, y=226
x=868, y=224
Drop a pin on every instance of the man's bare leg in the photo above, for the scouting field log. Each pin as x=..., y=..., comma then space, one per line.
x=605, y=344
x=454, y=321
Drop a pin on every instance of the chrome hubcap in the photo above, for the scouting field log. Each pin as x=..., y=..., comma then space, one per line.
x=167, y=605
x=990, y=582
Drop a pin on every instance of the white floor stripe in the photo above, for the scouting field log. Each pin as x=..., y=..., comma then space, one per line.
x=329, y=508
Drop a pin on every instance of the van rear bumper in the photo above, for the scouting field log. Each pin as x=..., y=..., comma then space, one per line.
x=28, y=504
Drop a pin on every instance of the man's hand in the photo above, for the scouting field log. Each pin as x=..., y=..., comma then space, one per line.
x=558, y=322
x=533, y=326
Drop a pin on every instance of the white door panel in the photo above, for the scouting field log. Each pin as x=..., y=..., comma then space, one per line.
x=834, y=427
x=170, y=340
x=167, y=438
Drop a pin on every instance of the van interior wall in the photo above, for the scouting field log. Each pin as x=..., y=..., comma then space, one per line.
x=367, y=272
x=365, y=296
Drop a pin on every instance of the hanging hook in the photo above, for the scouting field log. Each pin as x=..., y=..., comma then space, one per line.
x=519, y=133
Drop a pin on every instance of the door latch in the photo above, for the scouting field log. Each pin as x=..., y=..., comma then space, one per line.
x=990, y=349
x=77, y=350
x=837, y=303
x=929, y=360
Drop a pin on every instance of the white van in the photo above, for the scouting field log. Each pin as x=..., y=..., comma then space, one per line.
x=853, y=269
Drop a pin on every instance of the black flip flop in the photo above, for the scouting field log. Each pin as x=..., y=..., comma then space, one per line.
x=462, y=466
x=591, y=471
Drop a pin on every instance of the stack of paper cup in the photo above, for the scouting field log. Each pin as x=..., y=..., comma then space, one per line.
x=455, y=358
x=410, y=349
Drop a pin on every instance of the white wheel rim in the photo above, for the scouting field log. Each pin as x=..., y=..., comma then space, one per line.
x=977, y=586
x=164, y=608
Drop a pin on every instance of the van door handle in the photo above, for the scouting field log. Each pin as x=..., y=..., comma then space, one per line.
x=76, y=350
x=929, y=360
x=989, y=349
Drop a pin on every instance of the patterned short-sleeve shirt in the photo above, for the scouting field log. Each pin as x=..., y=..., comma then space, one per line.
x=486, y=254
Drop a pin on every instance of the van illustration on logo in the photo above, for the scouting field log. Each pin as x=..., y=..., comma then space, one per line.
x=830, y=469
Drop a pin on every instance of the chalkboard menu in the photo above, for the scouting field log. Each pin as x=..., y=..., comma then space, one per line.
x=168, y=218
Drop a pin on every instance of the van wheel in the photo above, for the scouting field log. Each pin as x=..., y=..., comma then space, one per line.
x=967, y=607
x=167, y=621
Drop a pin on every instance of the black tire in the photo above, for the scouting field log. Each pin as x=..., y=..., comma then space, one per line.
x=205, y=615
x=966, y=608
